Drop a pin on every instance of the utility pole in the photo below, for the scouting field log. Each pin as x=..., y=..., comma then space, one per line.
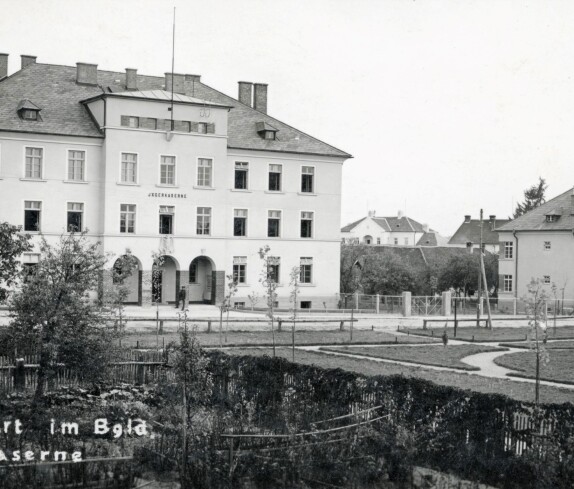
x=478, y=303
x=483, y=273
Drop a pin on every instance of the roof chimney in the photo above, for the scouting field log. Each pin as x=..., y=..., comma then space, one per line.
x=260, y=97
x=86, y=74
x=27, y=60
x=492, y=220
x=426, y=228
x=131, y=79
x=467, y=218
x=372, y=213
x=178, y=82
x=400, y=214
x=3, y=65
x=245, y=93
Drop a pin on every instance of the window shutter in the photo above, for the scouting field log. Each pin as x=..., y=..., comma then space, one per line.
x=148, y=123
x=501, y=282
x=125, y=120
x=210, y=128
x=194, y=126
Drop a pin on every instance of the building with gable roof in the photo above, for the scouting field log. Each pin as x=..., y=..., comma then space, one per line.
x=398, y=230
x=169, y=164
x=468, y=234
x=539, y=245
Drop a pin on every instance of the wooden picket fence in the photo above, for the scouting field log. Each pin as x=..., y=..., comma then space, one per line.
x=130, y=366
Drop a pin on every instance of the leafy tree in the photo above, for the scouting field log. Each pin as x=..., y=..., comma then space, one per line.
x=12, y=245
x=53, y=310
x=461, y=272
x=118, y=291
x=294, y=278
x=533, y=197
x=386, y=275
x=350, y=273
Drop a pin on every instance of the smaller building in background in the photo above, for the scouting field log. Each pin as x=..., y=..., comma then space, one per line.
x=468, y=234
x=539, y=245
x=398, y=230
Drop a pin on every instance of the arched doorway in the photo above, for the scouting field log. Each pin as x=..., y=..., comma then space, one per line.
x=199, y=288
x=164, y=280
x=368, y=239
x=128, y=276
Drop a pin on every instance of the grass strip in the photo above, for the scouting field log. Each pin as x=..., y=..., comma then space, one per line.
x=560, y=368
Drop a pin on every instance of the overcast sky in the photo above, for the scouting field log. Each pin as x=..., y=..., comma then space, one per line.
x=447, y=106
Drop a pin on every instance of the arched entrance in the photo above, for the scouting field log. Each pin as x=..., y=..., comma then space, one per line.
x=367, y=239
x=199, y=288
x=128, y=274
x=164, y=280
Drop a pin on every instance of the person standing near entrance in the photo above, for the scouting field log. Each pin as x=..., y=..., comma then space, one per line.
x=181, y=297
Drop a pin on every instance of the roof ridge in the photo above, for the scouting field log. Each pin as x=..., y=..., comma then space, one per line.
x=541, y=206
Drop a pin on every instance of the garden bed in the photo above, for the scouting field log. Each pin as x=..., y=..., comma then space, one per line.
x=495, y=334
x=559, y=369
x=436, y=355
x=520, y=391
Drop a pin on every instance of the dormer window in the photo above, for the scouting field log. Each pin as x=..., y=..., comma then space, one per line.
x=552, y=218
x=266, y=131
x=28, y=111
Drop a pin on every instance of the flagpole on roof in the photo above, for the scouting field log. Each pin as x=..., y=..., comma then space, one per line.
x=172, y=65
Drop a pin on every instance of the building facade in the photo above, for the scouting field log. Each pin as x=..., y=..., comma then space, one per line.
x=197, y=177
x=468, y=235
x=539, y=245
x=398, y=230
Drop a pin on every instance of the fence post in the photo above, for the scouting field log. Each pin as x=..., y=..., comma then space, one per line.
x=19, y=374
x=407, y=299
x=514, y=300
x=279, y=325
x=378, y=298
x=481, y=305
x=140, y=373
x=209, y=326
x=356, y=300
x=341, y=326
x=161, y=326
x=446, y=303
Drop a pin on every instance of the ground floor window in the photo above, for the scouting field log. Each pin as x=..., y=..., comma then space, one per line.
x=305, y=304
x=507, y=283
x=239, y=269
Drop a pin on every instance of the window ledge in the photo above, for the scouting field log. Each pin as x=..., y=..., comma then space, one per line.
x=81, y=182
x=306, y=285
x=309, y=194
x=274, y=237
x=129, y=184
x=200, y=187
x=274, y=192
x=165, y=185
x=245, y=190
x=243, y=285
x=33, y=180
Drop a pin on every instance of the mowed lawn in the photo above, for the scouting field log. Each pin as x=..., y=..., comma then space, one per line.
x=559, y=369
x=428, y=355
x=551, y=345
x=521, y=391
x=466, y=333
x=264, y=338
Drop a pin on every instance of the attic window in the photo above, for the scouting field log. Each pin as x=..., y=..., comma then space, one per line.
x=266, y=131
x=552, y=218
x=28, y=111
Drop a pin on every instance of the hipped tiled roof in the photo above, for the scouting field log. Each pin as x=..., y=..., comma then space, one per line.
x=535, y=220
x=390, y=224
x=54, y=88
x=470, y=232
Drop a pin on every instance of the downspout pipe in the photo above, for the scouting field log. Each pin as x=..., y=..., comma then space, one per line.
x=515, y=266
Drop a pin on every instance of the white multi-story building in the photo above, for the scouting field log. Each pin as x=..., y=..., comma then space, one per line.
x=204, y=179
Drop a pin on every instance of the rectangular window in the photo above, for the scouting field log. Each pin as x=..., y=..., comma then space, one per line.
x=547, y=279
x=275, y=177
x=396, y=241
x=76, y=165
x=167, y=170
x=507, y=283
x=204, y=220
x=547, y=245
x=406, y=241
x=127, y=218
x=274, y=224
x=182, y=126
x=239, y=305
x=241, y=174
x=378, y=241
x=274, y=268
x=34, y=157
x=306, y=271
x=508, y=249
x=129, y=168
x=32, y=211
x=130, y=121
x=30, y=265
x=305, y=304
x=204, y=172
x=240, y=222
x=306, y=224
x=75, y=217
x=307, y=183
x=239, y=269
x=166, y=213
x=202, y=127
